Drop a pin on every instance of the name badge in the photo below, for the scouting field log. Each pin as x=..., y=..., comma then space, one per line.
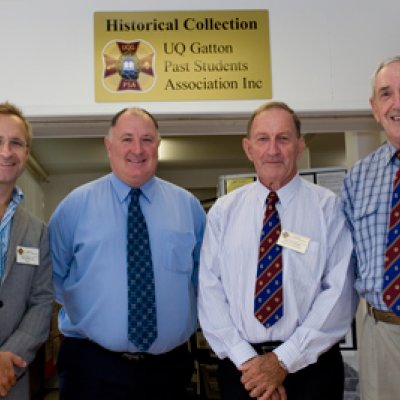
x=293, y=241
x=27, y=255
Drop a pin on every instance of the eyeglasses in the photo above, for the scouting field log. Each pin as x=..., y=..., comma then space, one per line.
x=13, y=144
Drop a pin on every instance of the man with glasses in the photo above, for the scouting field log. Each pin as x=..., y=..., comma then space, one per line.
x=26, y=294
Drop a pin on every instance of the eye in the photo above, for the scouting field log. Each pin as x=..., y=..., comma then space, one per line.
x=385, y=93
x=18, y=144
x=283, y=139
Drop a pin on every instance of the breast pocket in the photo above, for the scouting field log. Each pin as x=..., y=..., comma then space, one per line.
x=178, y=251
x=365, y=208
x=304, y=269
x=368, y=228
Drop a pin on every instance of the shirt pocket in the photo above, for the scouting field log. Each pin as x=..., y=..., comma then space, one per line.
x=367, y=206
x=368, y=231
x=304, y=270
x=178, y=251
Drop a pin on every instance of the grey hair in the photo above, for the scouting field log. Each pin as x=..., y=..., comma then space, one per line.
x=382, y=65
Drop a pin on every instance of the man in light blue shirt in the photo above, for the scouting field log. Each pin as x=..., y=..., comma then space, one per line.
x=88, y=234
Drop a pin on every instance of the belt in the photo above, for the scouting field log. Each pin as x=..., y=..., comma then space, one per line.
x=130, y=357
x=384, y=316
x=138, y=357
x=266, y=347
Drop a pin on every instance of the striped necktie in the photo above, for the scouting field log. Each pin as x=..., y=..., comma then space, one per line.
x=142, y=317
x=391, y=277
x=268, y=302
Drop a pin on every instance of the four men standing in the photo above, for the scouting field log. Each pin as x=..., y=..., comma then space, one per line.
x=276, y=282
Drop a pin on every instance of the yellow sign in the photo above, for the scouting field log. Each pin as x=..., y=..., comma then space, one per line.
x=235, y=183
x=173, y=56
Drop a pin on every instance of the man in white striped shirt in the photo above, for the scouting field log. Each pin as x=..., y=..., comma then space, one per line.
x=298, y=356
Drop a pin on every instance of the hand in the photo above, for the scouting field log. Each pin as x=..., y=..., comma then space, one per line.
x=278, y=394
x=263, y=376
x=7, y=373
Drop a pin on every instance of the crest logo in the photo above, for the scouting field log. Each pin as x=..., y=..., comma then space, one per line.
x=128, y=66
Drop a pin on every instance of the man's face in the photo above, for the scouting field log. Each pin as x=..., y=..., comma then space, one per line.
x=133, y=149
x=385, y=102
x=274, y=147
x=14, y=151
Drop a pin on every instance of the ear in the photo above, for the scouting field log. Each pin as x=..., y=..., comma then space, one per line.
x=373, y=108
x=301, y=146
x=108, y=144
x=247, y=148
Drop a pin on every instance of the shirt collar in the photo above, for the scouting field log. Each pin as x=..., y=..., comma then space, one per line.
x=285, y=193
x=123, y=190
x=389, y=152
x=17, y=195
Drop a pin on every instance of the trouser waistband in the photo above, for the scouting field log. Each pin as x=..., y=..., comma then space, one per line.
x=132, y=357
x=384, y=316
x=266, y=347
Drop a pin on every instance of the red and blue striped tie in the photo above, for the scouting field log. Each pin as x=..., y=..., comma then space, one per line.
x=391, y=277
x=268, y=301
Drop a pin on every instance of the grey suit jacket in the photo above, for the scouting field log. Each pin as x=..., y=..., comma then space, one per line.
x=26, y=294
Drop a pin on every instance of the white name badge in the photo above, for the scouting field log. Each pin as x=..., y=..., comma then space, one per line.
x=293, y=241
x=27, y=255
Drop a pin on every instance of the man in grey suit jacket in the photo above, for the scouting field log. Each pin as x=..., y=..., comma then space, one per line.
x=26, y=293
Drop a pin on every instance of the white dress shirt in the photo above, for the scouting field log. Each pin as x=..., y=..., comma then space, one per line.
x=319, y=299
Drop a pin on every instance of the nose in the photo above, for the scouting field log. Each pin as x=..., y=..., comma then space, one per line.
x=5, y=149
x=136, y=147
x=272, y=148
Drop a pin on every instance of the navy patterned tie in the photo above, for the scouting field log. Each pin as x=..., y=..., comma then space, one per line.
x=142, y=317
x=268, y=301
x=391, y=278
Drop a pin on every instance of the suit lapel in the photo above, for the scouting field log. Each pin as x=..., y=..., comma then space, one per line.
x=18, y=229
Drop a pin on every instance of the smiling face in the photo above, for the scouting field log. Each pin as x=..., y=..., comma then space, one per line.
x=14, y=150
x=132, y=148
x=385, y=102
x=274, y=146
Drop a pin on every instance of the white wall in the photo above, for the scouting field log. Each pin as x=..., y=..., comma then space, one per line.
x=322, y=51
x=60, y=185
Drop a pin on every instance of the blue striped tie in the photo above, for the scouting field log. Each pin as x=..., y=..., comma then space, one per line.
x=142, y=317
x=268, y=301
x=391, y=277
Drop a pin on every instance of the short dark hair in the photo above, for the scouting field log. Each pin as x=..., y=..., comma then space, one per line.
x=272, y=105
x=134, y=111
x=7, y=108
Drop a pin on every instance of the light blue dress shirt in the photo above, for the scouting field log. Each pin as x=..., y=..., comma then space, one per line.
x=88, y=243
x=5, y=226
x=367, y=194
